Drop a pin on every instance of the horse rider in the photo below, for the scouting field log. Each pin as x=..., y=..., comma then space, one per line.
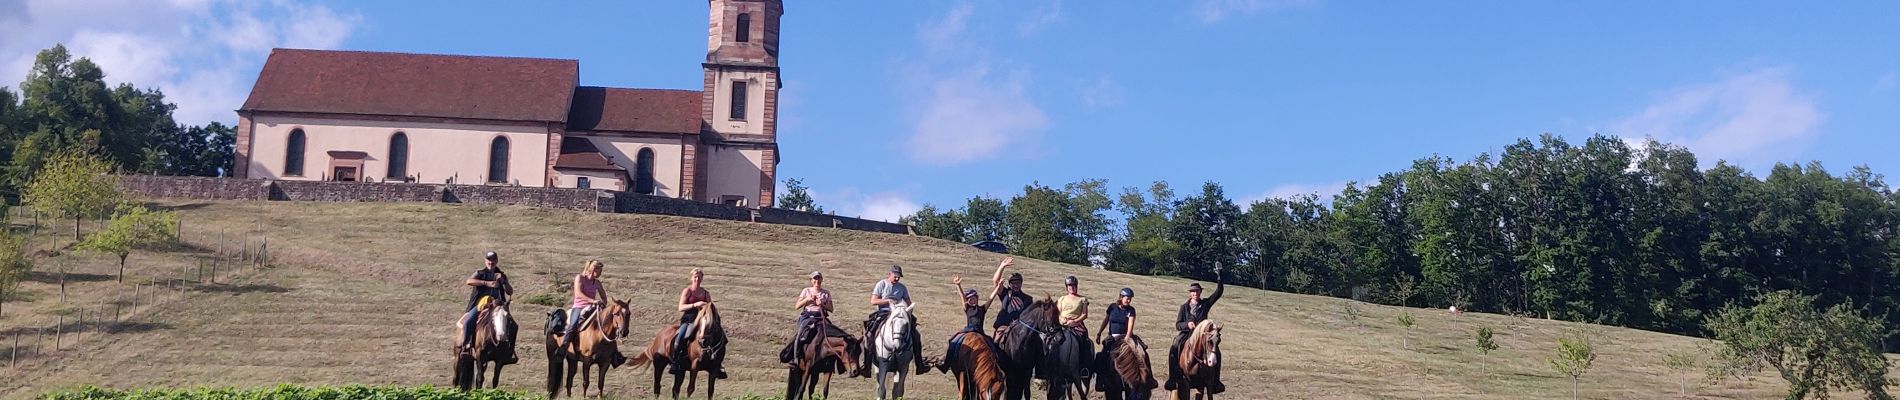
x=886, y=292
x=973, y=314
x=814, y=305
x=1074, y=311
x=1014, y=300
x=588, y=297
x=487, y=286
x=693, y=299
x=1119, y=324
x=1192, y=313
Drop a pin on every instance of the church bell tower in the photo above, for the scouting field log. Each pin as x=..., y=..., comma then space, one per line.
x=740, y=101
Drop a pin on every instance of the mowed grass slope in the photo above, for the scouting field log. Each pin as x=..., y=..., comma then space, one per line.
x=367, y=293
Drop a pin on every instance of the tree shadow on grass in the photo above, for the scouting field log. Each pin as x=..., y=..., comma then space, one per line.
x=52, y=277
x=239, y=289
x=178, y=207
x=26, y=332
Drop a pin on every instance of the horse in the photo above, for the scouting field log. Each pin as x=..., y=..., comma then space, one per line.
x=594, y=345
x=705, y=353
x=494, y=343
x=891, y=353
x=1199, y=361
x=1125, y=370
x=1021, y=346
x=1064, y=356
x=825, y=355
x=979, y=368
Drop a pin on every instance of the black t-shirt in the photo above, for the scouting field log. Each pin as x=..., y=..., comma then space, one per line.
x=1118, y=318
x=973, y=317
x=1014, y=302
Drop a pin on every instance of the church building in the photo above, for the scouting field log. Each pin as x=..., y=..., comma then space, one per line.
x=478, y=120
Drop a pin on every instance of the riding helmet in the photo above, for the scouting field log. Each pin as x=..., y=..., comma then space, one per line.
x=490, y=256
x=1127, y=292
x=1070, y=281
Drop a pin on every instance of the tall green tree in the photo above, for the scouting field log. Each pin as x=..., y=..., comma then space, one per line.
x=798, y=197
x=983, y=219
x=1143, y=246
x=1206, y=226
x=1045, y=223
x=947, y=225
x=1091, y=202
x=14, y=266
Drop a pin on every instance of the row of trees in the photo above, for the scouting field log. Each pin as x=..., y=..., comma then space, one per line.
x=1601, y=232
x=65, y=105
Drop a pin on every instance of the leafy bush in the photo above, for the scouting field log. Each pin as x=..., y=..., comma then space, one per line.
x=546, y=299
x=287, y=392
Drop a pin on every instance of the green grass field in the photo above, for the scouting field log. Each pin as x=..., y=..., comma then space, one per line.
x=367, y=293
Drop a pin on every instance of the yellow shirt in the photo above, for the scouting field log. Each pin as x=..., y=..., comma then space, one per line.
x=1074, y=309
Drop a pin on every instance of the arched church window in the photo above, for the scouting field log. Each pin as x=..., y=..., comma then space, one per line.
x=744, y=33
x=293, y=154
x=498, y=160
x=643, y=172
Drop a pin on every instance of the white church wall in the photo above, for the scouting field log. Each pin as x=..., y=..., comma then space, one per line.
x=437, y=151
x=666, y=159
x=733, y=172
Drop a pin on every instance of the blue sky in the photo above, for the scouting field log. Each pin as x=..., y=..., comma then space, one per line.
x=892, y=104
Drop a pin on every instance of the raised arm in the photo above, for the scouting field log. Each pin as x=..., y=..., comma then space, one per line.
x=996, y=279
x=1219, y=287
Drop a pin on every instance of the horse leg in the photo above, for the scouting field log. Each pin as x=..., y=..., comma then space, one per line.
x=712, y=383
x=657, y=367
x=897, y=387
x=793, y=382
x=678, y=379
x=692, y=382
x=600, y=388
x=481, y=368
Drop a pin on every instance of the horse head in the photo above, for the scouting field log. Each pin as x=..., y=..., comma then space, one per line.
x=1203, y=345
x=499, y=318
x=625, y=315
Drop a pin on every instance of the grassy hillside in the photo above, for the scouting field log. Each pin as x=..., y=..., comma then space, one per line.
x=366, y=293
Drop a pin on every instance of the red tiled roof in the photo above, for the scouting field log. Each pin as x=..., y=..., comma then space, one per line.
x=635, y=110
x=422, y=85
x=580, y=153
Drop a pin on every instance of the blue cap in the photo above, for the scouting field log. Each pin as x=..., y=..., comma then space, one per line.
x=897, y=270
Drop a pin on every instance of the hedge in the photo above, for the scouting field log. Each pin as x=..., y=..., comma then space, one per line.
x=287, y=392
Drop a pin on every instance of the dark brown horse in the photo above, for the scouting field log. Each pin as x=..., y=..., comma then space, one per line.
x=595, y=344
x=494, y=343
x=1064, y=354
x=978, y=368
x=1200, y=362
x=705, y=353
x=1125, y=372
x=825, y=355
x=1021, y=346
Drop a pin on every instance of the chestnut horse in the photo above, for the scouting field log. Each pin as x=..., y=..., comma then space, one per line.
x=594, y=345
x=1200, y=361
x=825, y=355
x=494, y=343
x=1126, y=373
x=705, y=353
x=978, y=368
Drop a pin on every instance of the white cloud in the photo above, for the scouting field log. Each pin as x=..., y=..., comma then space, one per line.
x=1048, y=14
x=1287, y=191
x=974, y=107
x=882, y=206
x=1746, y=118
x=1211, y=11
x=1102, y=93
x=204, y=54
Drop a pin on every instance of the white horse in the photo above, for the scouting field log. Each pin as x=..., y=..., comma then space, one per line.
x=892, y=355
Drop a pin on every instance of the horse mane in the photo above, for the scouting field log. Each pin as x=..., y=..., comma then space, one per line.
x=1130, y=363
x=984, y=364
x=1197, y=345
x=1040, y=315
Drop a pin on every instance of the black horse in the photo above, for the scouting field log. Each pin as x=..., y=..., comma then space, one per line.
x=1022, y=348
x=1064, y=352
